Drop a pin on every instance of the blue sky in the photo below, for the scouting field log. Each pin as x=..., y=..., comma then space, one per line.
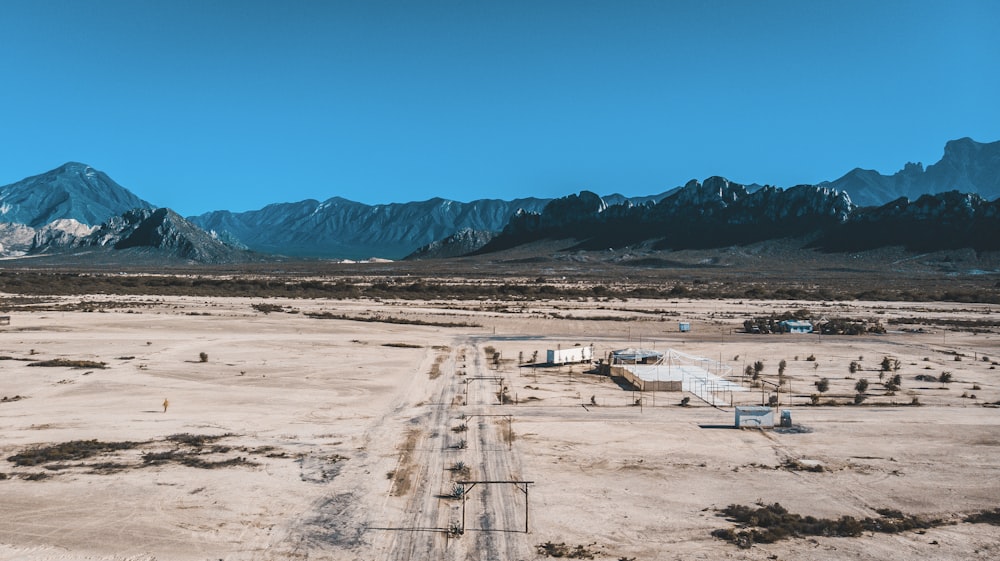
x=204, y=105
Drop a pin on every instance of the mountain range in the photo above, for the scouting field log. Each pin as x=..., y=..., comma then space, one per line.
x=76, y=208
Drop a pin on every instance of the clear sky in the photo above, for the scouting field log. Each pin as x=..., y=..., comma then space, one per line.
x=201, y=105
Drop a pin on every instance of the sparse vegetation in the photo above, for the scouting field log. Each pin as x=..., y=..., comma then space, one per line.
x=378, y=318
x=68, y=363
x=772, y=523
x=266, y=308
x=985, y=517
x=190, y=450
x=562, y=550
x=68, y=451
x=343, y=285
x=203, y=356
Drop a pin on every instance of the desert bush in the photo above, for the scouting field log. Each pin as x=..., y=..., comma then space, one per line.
x=853, y=367
x=66, y=451
x=192, y=460
x=196, y=440
x=823, y=385
x=861, y=386
x=266, y=308
x=889, y=363
x=460, y=469
x=771, y=523
x=811, y=358
x=859, y=398
x=562, y=550
x=64, y=362
x=985, y=517
x=203, y=356
x=945, y=378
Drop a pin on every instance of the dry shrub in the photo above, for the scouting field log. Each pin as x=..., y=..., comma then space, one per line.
x=771, y=523
x=65, y=362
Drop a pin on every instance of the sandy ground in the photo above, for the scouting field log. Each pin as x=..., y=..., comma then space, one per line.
x=337, y=439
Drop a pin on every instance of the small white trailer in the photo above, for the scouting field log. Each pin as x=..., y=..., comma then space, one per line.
x=571, y=354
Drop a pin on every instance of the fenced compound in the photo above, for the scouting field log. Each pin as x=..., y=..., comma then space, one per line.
x=677, y=371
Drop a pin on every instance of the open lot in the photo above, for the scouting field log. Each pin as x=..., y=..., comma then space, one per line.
x=297, y=431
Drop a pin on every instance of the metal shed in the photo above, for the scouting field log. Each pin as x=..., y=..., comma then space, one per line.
x=793, y=326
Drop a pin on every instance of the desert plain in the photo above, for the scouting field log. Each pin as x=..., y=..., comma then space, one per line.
x=296, y=430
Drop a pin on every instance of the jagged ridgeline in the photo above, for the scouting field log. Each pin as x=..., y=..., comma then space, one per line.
x=720, y=213
x=951, y=204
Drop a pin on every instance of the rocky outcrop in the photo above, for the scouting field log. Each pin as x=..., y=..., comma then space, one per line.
x=720, y=213
x=460, y=243
x=156, y=231
x=717, y=212
x=932, y=222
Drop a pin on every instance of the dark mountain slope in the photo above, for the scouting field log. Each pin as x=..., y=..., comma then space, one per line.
x=719, y=213
x=160, y=232
x=354, y=230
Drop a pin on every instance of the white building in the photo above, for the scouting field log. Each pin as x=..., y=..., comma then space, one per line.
x=572, y=354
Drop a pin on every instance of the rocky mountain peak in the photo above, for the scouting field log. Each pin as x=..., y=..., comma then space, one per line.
x=72, y=190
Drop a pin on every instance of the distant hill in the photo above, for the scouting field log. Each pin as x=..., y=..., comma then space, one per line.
x=346, y=229
x=967, y=166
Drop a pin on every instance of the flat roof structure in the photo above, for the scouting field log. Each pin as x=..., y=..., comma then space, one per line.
x=703, y=377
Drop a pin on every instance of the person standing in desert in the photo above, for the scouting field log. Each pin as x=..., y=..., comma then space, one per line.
x=165, y=404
